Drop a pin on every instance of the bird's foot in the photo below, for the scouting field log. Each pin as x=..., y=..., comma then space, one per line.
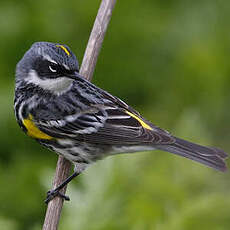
x=53, y=193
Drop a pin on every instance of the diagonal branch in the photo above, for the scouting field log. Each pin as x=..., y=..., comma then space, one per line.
x=54, y=208
x=96, y=38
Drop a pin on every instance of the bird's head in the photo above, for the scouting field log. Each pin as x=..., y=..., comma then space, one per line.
x=49, y=66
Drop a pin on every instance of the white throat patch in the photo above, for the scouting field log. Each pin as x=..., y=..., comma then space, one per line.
x=56, y=85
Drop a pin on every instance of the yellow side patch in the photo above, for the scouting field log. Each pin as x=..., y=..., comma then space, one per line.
x=33, y=131
x=144, y=125
x=65, y=50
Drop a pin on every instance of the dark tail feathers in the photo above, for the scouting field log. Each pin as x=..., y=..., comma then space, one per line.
x=212, y=157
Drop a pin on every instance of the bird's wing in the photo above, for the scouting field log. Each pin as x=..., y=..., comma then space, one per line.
x=107, y=124
x=123, y=127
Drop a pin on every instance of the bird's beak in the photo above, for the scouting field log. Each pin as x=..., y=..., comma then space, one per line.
x=75, y=75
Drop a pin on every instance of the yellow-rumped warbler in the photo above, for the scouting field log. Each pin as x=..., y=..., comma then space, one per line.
x=66, y=113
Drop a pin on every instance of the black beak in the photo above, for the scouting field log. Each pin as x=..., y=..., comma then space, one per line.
x=74, y=75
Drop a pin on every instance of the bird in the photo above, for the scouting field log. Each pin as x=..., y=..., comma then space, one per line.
x=69, y=115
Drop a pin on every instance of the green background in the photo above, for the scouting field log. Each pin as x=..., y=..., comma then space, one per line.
x=169, y=60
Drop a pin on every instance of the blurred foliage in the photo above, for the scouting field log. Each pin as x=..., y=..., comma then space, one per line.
x=169, y=60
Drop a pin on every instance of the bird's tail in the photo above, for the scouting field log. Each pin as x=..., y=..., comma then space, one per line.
x=212, y=157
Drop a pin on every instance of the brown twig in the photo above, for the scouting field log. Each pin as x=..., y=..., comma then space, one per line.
x=54, y=208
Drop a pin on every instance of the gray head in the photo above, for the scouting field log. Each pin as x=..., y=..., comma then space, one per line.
x=50, y=66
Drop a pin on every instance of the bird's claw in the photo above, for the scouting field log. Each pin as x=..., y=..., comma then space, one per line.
x=53, y=193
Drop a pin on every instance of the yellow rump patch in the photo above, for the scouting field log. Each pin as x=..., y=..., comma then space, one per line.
x=33, y=131
x=144, y=125
x=65, y=50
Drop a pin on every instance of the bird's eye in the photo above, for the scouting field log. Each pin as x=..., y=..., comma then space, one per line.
x=53, y=68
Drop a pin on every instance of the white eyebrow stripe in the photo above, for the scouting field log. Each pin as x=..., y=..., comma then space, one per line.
x=48, y=58
x=66, y=67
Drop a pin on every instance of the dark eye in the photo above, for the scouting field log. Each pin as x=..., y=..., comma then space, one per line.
x=53, y=68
